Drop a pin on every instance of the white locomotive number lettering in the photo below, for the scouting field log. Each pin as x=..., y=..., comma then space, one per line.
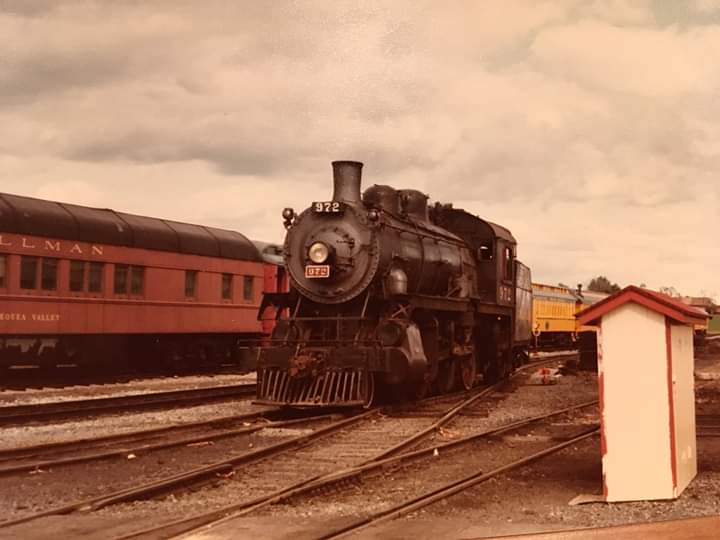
x=317, y=271
x=328, y=207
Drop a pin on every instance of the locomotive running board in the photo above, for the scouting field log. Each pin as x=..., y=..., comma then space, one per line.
x=337, y=388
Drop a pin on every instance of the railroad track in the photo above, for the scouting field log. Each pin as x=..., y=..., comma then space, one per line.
x=707, y=425
x=366, y=431
x=45, y=457
x=388, y=459
x=350, y=454
x=35, y=379
x=449, y=489
x=107, y=405
x=191, y=477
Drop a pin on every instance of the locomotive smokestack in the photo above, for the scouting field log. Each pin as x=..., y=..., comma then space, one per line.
x=347, y=176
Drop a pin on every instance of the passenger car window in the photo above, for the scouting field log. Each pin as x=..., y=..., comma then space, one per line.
x=77, y=276
x=95, y=277
x=190, y=283
x=227, y=280
x=28, y=272
x=137, y=279
x=248, y=287
x=121, y=278
x=129, y=277
x=49, y=274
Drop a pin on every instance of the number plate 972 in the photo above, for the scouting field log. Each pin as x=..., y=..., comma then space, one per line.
x=330, y=207
x=317, y=271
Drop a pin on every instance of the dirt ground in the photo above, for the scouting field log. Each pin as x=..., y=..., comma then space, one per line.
x=534, y=498
x=531, y=499
x=29, y=396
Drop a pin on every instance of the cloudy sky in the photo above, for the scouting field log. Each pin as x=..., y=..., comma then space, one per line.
x=590, y=128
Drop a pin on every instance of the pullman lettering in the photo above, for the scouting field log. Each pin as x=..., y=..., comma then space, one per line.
x=57, y=246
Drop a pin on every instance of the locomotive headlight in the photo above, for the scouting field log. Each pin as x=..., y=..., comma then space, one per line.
x=318, y=253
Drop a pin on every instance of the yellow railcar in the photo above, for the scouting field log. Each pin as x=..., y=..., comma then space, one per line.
x=554, y=309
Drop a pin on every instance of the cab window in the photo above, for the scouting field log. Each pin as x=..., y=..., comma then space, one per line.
x=508, y=264
x=485, y=251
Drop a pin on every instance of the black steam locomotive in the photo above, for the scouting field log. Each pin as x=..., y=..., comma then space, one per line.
x=388, y=294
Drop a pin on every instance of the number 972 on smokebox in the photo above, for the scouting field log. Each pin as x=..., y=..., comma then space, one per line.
x=328, y=207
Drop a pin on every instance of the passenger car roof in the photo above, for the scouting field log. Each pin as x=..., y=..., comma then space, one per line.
x=39, y=217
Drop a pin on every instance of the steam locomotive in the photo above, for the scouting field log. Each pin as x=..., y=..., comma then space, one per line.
x=391, y=296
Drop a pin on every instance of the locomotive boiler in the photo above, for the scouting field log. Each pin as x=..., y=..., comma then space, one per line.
x=391, y=296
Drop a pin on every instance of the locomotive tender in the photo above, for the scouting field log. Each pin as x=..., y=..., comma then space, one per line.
x=387, y=293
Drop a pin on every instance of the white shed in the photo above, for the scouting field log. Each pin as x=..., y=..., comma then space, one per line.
x=647, y=393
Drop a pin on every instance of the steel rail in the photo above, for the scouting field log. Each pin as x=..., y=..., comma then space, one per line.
x=56, y=409
x=190, y=477
x=194, y=476
x=354, y=473
x=26, y=452
x=308, y=485
x=453, y=412
x=687, y=528
x=450, y=489
x=147, y=448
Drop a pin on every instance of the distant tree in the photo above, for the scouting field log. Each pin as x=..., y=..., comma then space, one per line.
x=670, y=291
x=563, y=285
x=603, y=285
x=709, y=294
x=643, y=286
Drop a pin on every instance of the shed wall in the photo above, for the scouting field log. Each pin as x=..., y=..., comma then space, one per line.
x=636, y=412
x=684, y=404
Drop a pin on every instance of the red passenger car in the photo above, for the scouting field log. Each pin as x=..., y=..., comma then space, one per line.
x=95, y=287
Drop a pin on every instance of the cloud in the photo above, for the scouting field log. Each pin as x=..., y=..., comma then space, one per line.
x=703, y=6
x=618, y=12
x=589, y=128
x=652, y=63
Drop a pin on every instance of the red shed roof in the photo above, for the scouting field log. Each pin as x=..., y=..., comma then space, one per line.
x=661, y=303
